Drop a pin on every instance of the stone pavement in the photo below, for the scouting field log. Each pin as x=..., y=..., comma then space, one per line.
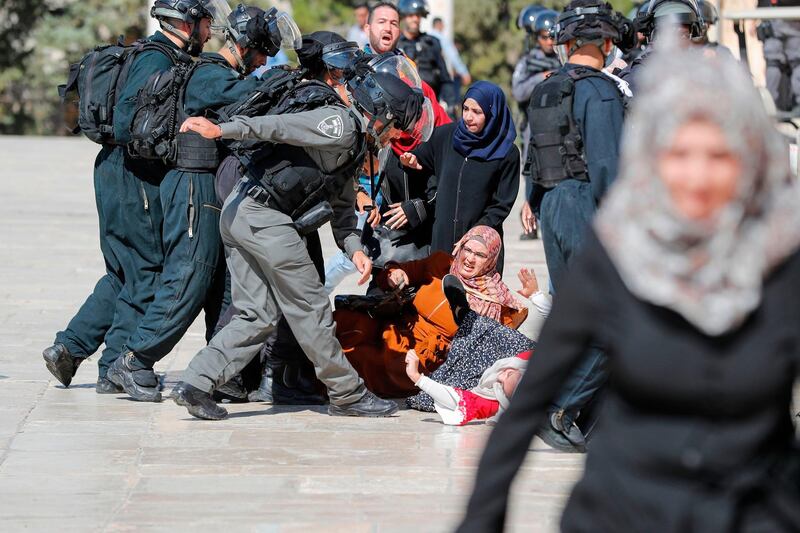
x=72, y=460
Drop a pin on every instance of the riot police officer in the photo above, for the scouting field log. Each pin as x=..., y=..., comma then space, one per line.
x=425, y=50
x=129, y=210
x=193, y=262
x=538, y=61
x=656, y=16
x=782, y=52
x=571, y=168
x=311, y=159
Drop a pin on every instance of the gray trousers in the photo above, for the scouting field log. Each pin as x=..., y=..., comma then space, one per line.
x=782, y=52
x=272, y=275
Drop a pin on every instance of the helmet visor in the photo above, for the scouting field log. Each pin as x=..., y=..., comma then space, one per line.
x=291, y=38
x=397, y=65
x=422, y=128
x=341, y=57
x=219, y=10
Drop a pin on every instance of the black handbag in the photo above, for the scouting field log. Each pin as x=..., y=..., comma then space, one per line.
x=390, y=305
x=386, y=245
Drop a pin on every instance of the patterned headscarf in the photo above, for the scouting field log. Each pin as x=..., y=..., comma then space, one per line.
x=712, y=272
x=486, y=292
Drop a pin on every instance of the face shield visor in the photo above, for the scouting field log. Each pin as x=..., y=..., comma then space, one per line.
x=219, y=11
x=422, y=128
x=285, y=29
x=338, y=57
x=397, y=64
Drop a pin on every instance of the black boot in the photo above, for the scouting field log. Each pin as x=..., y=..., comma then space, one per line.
x=264, y=391
x=61, y=363
x=456, y=296
x=105, y=386
x=140, y=384
x=199, y=403
x=233, y=391
x=369, y=405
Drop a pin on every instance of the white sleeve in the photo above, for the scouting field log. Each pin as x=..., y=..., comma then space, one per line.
x=441, y=394
x=539, y=306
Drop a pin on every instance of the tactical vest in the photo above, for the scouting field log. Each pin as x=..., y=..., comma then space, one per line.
x=292, y=178
x=159, y=112
x=424, y=51
x=96, y=81
x=556, y=150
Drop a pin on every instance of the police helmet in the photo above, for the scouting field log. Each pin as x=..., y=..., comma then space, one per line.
x=589, y=20
x=185, y=10
x=545, y=21
x=266, y=31
x=413, y=7
x=709, y=12
x=682, y=12
x=392, y=101
x=527, y=17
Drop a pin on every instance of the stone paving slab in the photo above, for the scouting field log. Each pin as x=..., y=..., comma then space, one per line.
x=71, y=460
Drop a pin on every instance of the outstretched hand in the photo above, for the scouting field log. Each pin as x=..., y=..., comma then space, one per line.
x=203, y=126
x=363, y=265
x=530, y=284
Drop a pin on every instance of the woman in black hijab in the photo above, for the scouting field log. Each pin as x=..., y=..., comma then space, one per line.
x=690, y=278
x=476, y=164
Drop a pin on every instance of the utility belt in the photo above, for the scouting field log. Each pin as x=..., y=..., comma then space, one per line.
x=306, y=223
x=196, y=153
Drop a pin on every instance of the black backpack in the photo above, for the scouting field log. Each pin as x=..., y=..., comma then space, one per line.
x=94, y=84
x=556, y=150
x=159, y=113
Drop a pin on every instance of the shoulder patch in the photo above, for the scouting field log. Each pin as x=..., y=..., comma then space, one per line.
x=332, y=127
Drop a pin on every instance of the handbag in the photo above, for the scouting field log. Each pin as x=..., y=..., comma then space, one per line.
x=386, y=245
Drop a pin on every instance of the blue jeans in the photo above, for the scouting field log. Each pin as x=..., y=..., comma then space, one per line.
x=566, y=213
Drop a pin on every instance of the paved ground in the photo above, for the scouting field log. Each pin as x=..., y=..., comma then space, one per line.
x=75, y=461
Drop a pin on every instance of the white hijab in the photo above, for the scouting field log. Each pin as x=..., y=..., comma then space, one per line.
x=712, y=274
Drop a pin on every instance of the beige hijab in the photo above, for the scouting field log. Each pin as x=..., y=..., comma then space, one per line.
x=712, y=274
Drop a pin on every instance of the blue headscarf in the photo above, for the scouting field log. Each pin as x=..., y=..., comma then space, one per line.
x=498, y=133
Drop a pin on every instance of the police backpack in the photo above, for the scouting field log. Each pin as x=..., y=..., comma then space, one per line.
x=556, y=150
x=159, y=113
x=95, y=82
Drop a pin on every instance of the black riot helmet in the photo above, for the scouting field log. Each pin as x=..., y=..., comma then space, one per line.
x=589, y=22
x=387, y=98
x=527, y=17
x=257, y=30
x=681, y=12
x=189, y=11
x=413, y=7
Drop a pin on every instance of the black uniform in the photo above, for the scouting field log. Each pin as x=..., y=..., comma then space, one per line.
x=426, y=51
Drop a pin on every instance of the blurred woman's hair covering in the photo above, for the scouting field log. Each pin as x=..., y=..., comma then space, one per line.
x=709, y=272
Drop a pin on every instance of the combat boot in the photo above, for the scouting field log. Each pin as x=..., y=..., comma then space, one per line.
x=233, y=391
x=61, y=363
x=199, y=403
x=105, y=386
x=140, y=384
x=369, y=405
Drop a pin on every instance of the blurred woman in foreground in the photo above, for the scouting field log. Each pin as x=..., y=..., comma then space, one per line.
x=691, y=278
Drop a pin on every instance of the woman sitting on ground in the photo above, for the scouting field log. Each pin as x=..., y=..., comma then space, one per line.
x=377, y=348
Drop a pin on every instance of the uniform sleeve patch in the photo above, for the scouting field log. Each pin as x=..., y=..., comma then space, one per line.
x=332, y=127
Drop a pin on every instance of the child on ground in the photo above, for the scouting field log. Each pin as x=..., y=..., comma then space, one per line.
x=486, y=401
